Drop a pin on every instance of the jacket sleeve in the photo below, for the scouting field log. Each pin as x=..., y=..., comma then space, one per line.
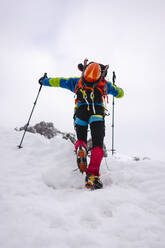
x=114, y=90
x=66, y=83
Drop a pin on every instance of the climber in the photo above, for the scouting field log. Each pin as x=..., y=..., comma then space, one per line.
x=91, y=90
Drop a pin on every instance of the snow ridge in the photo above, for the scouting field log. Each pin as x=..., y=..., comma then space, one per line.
x=43, y=202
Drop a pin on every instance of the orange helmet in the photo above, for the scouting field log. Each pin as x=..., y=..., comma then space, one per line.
x=93, y=72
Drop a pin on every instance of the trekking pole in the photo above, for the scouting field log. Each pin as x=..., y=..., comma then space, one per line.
x=26, y=126
x=113, y=113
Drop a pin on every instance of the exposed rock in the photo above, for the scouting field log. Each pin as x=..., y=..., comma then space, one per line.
x=44, y=128
x=135, y=158
x=48, y=130
x=70, y=136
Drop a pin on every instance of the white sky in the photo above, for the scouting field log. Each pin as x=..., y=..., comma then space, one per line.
x=54, y=36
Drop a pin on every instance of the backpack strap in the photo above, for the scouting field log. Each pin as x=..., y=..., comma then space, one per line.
x=83, y=87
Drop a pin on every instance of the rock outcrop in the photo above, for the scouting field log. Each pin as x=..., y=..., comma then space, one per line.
x=48, y=130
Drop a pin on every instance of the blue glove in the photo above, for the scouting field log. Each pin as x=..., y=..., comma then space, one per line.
x=42, y=78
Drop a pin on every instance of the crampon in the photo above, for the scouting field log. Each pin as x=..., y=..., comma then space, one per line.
x=82, y=158
x=93, y=182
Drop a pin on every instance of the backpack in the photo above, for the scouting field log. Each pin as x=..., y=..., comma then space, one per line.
x=91, y=93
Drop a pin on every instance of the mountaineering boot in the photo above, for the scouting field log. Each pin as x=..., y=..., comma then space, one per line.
x=81, y=151
x=93, y=182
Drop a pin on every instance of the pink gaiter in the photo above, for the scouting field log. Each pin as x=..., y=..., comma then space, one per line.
x=80, y=143
x=95, y=161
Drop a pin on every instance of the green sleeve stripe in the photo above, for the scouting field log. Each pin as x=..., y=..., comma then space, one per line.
x=120, y=91
x=114, y=86
x=55, y=82
x=120, y=94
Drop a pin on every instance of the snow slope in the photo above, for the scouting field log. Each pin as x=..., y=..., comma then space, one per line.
x=43, y=203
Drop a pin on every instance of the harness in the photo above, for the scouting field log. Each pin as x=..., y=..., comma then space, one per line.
x=89, y=93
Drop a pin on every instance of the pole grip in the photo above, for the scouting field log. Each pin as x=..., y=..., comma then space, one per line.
x=114, y=78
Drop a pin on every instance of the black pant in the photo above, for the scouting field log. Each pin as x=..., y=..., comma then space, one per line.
x=97, y=133
x=97, y=127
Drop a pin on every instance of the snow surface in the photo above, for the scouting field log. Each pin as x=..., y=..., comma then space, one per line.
x=43, y=202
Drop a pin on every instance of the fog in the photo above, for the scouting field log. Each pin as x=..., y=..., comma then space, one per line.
x=54, y=36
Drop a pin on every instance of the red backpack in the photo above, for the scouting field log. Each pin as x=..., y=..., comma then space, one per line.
x=88, y=91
